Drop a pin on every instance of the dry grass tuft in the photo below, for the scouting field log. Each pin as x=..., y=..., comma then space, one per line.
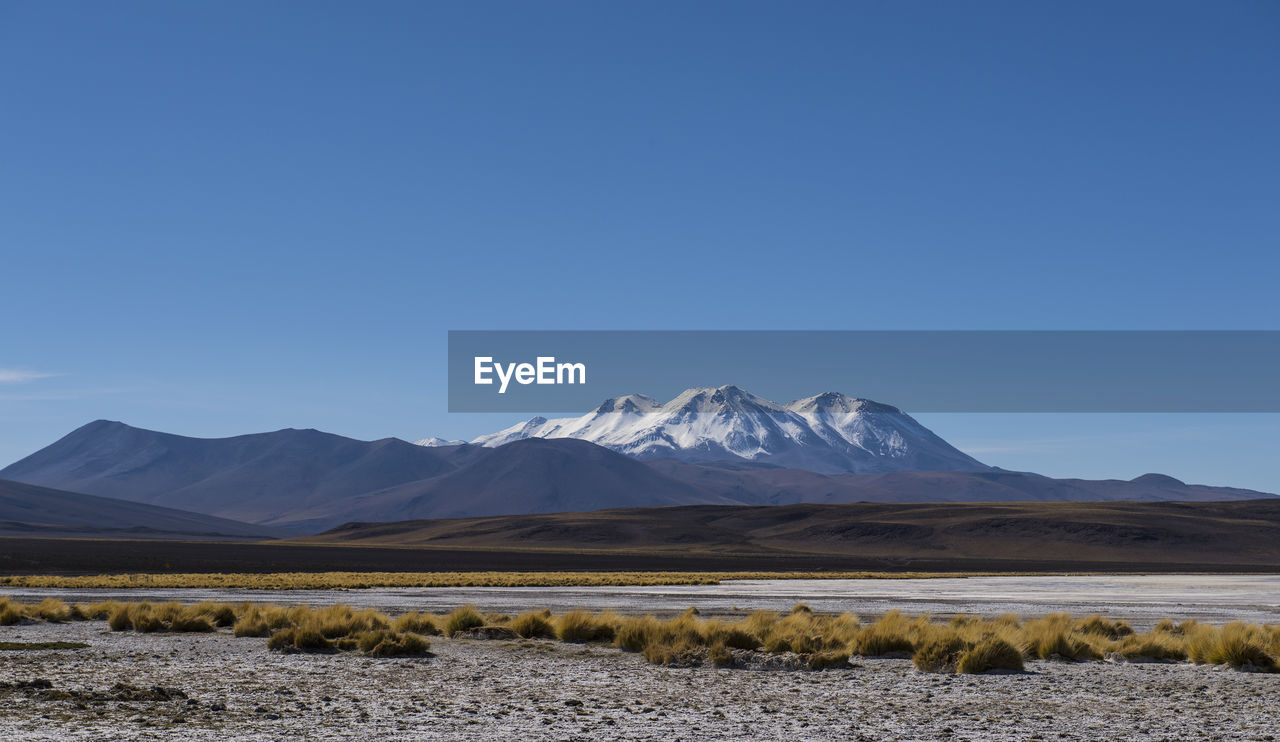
x=300, y=640
x=10, y=612
x=1100, y=626
x=417, y=623
x=169, y=617
x=533, y=625
x=338, y=628
x=890, y=635
x=1157, y=645
x=581, y=626
x=463, y=619
x=940, y=654
x=988, y=655
x=1054, y=637
x=385, y=643
x=827, y=660
x=1240, y=645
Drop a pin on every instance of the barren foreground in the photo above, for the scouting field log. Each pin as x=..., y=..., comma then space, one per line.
x=133, y=686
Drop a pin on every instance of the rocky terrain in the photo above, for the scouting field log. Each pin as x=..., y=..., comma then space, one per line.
x=216, y=687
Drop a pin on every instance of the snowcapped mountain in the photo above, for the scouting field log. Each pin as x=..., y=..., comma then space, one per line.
x=434, y=442
x=828, y=433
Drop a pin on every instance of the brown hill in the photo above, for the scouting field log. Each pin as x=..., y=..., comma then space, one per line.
x=1208, y=533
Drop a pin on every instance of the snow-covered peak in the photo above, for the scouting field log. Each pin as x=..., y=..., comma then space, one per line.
x=841, y=403
x=830, y=432
x=434, y=442
x=518, y=432
x=629, y=404
x=719, y=399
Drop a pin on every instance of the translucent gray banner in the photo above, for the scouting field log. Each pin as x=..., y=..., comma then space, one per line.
x=917, y=371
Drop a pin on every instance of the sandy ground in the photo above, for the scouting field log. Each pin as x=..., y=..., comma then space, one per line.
x=218, y=687
x=1140, y=599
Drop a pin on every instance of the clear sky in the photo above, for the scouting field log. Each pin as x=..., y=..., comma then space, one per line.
x=218, y=218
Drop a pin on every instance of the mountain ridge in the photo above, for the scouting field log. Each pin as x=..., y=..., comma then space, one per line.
x=308, y=480
x=828, y=433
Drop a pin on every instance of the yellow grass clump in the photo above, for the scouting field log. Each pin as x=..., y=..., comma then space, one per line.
x=463, y=619
x=989, y=655
x=1240, y=645
x=340, y=628
x=583, y=626
x=966, y=644
x=893, y=634
x=172, y=617
x=417, y=623
x=534, y=625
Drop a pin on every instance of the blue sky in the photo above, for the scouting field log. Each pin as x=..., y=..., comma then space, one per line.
x=219, y=218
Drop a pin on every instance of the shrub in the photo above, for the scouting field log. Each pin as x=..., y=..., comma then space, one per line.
x=145, y=619
x=670, y=653
x=463, y=619
x=940, y=654
x=191, y=622
x=731, y=636
x=1060, y=645
x=1236, y=644
x=760, y=623
x=800, y=631
x=340, y=620
x=581, y=626
x=719, y=655
x=634, y=634
x=389, y=643
x=841, y=630
x=10, y=614
x=1100, y=626
x=252, y=624
x=218, y=614
x=827, y=660
x=990, y=654
x=1052, y=636
x=417, y=623
x=1155, y=646
x=120, y=619
x=299, y=640
x=607, y=625
x=777, y=644
x=533, y=626
x=52, y=610
x=889, y=635
x=1008, y=620
x=149, y=618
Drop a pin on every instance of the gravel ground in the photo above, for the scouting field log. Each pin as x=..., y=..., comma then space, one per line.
x=218, y=687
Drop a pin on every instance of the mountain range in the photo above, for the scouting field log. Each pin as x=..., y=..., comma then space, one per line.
x=721, y=446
